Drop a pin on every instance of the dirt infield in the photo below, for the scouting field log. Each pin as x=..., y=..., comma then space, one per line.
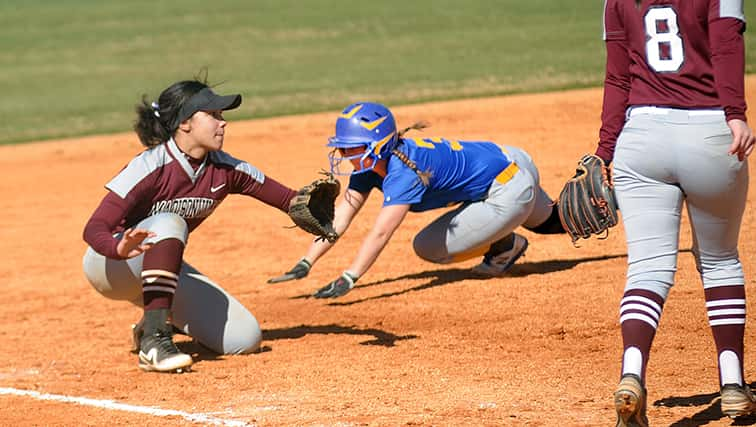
x=414, y=344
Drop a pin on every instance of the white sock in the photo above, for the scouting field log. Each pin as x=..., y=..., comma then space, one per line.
x=729, y=368
x=632, y=361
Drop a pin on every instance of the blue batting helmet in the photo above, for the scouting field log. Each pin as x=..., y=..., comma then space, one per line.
x=363, y=124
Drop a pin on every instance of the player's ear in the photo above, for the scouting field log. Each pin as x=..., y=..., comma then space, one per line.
x=186, y=125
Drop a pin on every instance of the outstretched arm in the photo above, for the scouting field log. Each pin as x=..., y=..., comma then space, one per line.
x=387, y=222
x=344, y=212
x=385, y=225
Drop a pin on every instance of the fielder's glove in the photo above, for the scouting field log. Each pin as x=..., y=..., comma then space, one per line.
x=586, y=204
x=300, y=270
x=313, y=207
x=338, y=287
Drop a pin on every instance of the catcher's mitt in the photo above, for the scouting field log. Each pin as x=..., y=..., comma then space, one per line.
x=586, y=204
x=313, y=207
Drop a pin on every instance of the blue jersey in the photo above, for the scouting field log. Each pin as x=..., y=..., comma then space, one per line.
x=461, y=171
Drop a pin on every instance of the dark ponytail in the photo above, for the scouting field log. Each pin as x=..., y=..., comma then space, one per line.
x=157, y=121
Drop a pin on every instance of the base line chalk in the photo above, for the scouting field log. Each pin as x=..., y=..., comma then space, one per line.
x=110, y=404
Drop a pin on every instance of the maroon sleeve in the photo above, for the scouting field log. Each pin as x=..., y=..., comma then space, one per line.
x=270, y=191
x=98, y=232
x=728, y=61
x=616, y=91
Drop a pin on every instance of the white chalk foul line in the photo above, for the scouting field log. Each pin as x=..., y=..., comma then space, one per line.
x=109, y=404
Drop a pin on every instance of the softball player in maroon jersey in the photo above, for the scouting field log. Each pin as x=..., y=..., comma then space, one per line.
x=138, y=233
x=674, y=124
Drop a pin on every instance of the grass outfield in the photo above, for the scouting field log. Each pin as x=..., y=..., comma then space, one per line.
x=76, y=67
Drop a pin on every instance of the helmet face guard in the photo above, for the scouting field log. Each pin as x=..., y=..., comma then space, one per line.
x=335, y=158
x=364, y=124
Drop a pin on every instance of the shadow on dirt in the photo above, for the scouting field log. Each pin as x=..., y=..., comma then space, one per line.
x=443, y=277
x=551, y=266
x=190, y=346
x=197, y=350
x=712, y=412
x=381, y=338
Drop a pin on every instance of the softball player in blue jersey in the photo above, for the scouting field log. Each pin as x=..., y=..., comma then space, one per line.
x=495, y=187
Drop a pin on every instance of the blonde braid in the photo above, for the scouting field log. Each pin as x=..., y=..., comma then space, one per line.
x=419, y=125
x=424, y=176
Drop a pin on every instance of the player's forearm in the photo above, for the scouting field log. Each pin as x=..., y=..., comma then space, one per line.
x=728, y=61
x=369, y=251
x=271, y=192
x=99, y=237
x=317, y=249
x=344, y=213
x=98, y=233
x=385, y=225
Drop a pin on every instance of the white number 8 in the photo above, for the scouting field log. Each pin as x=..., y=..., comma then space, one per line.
x=673, y=59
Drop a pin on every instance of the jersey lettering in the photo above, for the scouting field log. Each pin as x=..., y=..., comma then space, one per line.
x=421, y=142
x=185, y=207
x=664, y=46
x=429, y=143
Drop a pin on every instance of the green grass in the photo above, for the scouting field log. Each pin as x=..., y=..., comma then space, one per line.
x=76, y=67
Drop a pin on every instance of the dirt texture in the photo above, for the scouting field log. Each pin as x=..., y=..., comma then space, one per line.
x=413, y=344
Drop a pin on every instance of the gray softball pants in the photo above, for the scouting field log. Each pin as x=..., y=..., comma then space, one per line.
x=665, y=157
x=469, y=230
x=201, y=308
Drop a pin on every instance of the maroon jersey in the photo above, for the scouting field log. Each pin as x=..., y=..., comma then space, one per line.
x=163, y=179
x=671, y=53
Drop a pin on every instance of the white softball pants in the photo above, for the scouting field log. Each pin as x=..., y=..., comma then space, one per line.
x=666, y=156
x=468, y=231
x=201, y=308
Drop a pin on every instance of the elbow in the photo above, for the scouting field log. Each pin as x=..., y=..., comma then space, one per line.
x=618, y=82
x=86, y=233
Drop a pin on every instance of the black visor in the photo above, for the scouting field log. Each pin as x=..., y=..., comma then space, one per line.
x=207, y=100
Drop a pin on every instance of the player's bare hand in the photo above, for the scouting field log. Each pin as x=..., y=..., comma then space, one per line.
x=742, y=139
x=131, y=244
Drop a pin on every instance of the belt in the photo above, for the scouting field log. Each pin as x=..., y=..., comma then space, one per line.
x=660, y=111
x=504, y=176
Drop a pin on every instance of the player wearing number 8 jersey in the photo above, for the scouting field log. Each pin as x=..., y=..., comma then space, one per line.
x=495, y=188
x=674, y=124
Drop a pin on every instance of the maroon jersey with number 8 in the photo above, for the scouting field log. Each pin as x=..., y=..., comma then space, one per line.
x=672, y=53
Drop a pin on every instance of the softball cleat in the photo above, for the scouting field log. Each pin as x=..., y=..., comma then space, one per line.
x=737, y=400
x=158, y=353
x=495, y=265
x=630, y=402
